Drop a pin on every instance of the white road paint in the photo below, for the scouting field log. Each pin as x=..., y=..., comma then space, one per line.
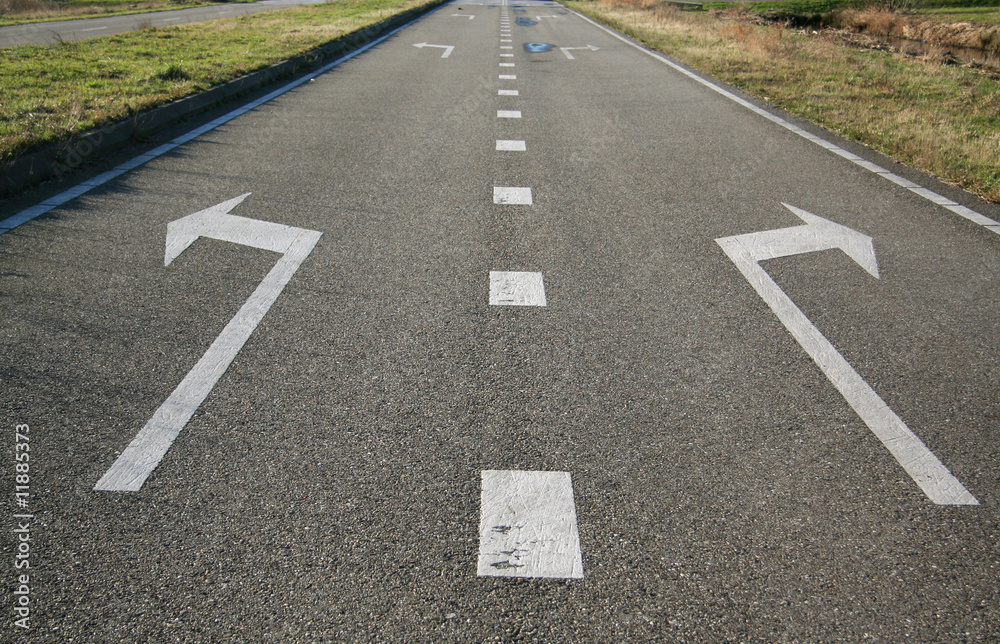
x=447, y=48
x=93, y=29
x=144, y=453
x=463, y=15
x=746, y=251
x=506, y=47
x=512, y=196
x=508, y=77
x=566, y=50
x=507, y=64
x=527, y=526
x=64, y=197
x=517, y=288
x=508, y=114
x=511, y=146
x=508, y=92
x=930, y=195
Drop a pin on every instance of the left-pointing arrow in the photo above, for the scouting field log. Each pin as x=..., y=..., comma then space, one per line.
x=144, y=453
x=447, y=48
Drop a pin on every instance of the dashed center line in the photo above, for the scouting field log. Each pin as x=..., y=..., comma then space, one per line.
x=507, y=65
x=508, y=77
x=527, y=525
x=508, y=114
x=510, y=145
x=512, y=196
x=507, y=92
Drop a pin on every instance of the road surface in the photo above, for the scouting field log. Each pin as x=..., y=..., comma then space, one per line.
x=503, y=328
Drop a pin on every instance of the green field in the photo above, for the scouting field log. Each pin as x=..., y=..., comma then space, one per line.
x=17, y=12
x=981, y=11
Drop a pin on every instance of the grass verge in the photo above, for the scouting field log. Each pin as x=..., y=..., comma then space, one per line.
x=942, y=119
x=49, y=93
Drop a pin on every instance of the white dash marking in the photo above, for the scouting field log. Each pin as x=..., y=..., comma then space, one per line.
x=511, y=146
x=506, y=55
x=512, y=196
x=94, y=29
x=527, y=526
x=507, y=92
x=508, y=77
x=506, y=47
x=508, y=114
x=517, y=288
x=507, y=64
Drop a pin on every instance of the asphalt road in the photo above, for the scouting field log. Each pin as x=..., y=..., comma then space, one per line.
x=386, y=445
x=48, y=33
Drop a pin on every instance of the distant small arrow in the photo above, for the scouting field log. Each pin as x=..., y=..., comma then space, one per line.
x=746, y=251
x=143, y=454
x=447, y=48
x=463, y=15
x=566, y=50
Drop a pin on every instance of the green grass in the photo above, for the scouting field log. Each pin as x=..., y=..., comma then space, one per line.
x=981, y=15
x=48, y=93
x=981, y=11
x=30, y=11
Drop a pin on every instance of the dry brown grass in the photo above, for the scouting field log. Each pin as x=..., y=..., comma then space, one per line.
x=946, y=34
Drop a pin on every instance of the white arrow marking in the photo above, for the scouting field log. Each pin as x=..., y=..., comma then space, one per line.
x=566, y=50
x=819, y=234
x=447, y=48
x=527, y=526
x=144, y=453
x=463, y=15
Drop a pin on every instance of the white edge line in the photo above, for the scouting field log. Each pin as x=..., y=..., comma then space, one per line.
x=32, y=212
x=927, y=194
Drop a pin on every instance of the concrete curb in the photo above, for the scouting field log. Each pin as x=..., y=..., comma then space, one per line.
x=65, y=156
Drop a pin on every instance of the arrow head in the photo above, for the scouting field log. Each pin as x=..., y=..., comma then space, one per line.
x=182, y=232
x=858, y=246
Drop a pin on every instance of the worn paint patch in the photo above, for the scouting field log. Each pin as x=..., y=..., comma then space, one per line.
x=527, y=525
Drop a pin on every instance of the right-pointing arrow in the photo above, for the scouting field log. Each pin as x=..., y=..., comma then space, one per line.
x=820, y=234
x=566, y=50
